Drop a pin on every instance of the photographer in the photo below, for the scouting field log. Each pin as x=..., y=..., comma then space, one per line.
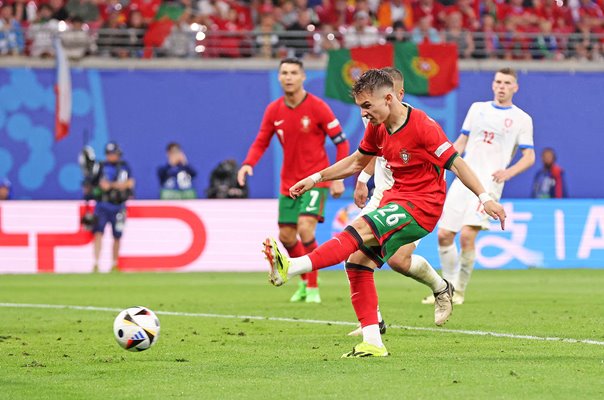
x=116, y=185
x=176, y=176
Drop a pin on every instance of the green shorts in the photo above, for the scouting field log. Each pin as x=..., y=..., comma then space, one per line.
x=311, y=203
x=393, y=227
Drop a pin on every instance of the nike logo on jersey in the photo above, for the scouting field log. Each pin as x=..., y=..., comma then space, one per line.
x=277, y=123
x=311, y=208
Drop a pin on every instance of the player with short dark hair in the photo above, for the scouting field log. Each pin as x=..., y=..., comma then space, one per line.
x=417, y=152
x=301, y=122
x=116, y=185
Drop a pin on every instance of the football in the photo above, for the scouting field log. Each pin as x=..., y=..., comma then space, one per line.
x=136, y=328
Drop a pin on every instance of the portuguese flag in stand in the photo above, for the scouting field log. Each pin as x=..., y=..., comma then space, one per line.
x=429, y=69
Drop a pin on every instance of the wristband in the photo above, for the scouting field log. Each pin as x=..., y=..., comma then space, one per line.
x=316, y=177
x=484, y=197
x=363, y=177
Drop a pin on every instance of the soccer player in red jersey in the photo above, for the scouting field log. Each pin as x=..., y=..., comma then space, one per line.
x=417, y=152
x=301, y=121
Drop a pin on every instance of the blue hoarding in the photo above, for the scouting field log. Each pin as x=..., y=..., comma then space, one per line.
x=538, y=234
x=215, y=116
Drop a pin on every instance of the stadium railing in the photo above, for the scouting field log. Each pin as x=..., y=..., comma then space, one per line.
x=197, y=41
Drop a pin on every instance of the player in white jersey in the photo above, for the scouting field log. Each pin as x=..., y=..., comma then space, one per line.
x=383, y=180
x=491, y=134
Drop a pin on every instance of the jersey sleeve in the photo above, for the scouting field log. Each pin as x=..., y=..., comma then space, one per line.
x=329, y=123
x=369, y=144
x=439, y=149
x=467, y=122
x=263, y=139
x=525, y=137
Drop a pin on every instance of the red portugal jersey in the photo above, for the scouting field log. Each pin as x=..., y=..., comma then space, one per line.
x=417, y=154
x=301, y=131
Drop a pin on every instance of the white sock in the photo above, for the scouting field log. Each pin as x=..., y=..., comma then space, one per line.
x=466, y=261
x=371, y=335
x=299, y=266
x=449, y=259
x=379, y=315
x=422, y=271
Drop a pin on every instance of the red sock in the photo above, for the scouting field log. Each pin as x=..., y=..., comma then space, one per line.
x=297, y=250
x=311, y=277
x=336, y=249
x=363, y=294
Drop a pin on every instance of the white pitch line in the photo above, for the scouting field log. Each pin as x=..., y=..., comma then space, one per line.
x=314, y=321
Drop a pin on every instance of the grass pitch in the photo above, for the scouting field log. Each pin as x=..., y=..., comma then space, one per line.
x=54, y=353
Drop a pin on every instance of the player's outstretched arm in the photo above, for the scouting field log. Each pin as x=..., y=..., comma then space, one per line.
x=361, y=191
x=524, y=163
x=469, y=178
x=340, y=170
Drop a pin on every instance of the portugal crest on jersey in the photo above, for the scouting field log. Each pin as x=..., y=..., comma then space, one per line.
x=305, y=121
x=405, y=156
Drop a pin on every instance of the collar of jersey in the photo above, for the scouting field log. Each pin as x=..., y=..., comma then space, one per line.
x=297, y=105
x=404, y=123
x=500, y=107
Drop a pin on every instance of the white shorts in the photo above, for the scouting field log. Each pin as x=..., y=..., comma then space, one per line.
x=462, y=208
x=374, y=203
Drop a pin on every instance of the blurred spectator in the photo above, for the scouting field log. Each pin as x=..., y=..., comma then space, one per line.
x=391, y=12
x=431, y=8
x=515, y=45
x=361, y=33
x=181, y=40
x=176, y=176
x=113, y=39
x=24, y=11
x=487, y=40
x=136, y=28
x=41, y=33
x=335, y=12
x=289, y=14
x=11, y=35
x=59, y=12
x=456, y=33
x=108, y=7
x=424, y=32
x=470, y=21
x=267, y=35
x=5, y=189
x=231, y=43
x=545, y=44
x=85, y=9
x=301, y=31
x=76, y=40
x=398, y=33
x=549, y=180
x=147, y=8
x=494, y=8
x=327, y=40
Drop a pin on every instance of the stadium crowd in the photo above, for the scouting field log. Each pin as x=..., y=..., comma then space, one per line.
x=508, y=29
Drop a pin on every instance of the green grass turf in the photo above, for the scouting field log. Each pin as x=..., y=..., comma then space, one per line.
x=71, y=354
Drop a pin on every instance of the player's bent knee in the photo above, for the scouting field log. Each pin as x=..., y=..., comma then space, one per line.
x=288, y=236
x=400, y=264
x=445, y=237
